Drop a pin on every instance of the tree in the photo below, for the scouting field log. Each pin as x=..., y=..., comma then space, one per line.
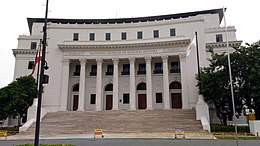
x=215, y=82
x=215, y=86
x=17, y=97
x=247, y=67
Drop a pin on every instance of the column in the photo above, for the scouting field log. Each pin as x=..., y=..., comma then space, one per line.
x=64, y=84
x=166, y=90
x=132, y=84
x=82, y=84
x=99, y=85
x=115, y=84
x=184, y=82
x=149, y=91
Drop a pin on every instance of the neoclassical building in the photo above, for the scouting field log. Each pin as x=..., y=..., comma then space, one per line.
x=123, y=63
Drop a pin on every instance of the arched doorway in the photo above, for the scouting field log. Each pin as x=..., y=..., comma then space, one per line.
x=142, y=101
x=109, y=97
x=75, y=97
x=176, y=98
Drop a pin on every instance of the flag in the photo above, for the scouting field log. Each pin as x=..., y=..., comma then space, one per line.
x=191, y=46
x=38, y=58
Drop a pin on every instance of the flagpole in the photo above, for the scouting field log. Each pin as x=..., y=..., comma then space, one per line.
x=38, y=67
x=198, y=60
x=38, y=115
x=230, y=77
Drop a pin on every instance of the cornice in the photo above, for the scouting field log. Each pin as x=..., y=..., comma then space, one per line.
x=234, y=44
x=23, y=51
x=174, y=43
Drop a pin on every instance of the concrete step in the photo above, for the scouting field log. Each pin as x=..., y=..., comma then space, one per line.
x=111, y=121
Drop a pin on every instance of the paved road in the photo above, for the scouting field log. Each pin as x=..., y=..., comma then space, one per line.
x=137, y=142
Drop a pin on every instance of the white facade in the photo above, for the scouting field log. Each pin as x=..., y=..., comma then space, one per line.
x=151, y=72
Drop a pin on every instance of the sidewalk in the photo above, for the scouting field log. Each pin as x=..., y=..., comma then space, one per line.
x=114, y=136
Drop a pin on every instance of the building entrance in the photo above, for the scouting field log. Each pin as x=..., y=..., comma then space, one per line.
x=75, y=102
x=176, y=100
x=142, y=101
x=109, y=102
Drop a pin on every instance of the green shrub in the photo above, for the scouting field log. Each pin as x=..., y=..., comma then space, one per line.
x=229, y=128
x=11, y=130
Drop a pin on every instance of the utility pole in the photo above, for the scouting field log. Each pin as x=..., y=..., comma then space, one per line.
x=38, y=116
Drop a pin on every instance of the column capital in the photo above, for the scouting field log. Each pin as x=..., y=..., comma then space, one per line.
x=164, y=58
x=66, y=61
x=82, y=61
x=115, y=60
x=131, y=59
x=99, y=60
x=182, y=57
x=148, y=58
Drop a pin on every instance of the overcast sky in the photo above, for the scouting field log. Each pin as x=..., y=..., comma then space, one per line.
x=243, y=14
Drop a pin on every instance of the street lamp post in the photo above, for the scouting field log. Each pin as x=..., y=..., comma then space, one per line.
x=38, y=116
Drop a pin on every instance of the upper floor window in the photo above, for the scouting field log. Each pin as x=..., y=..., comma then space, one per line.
x=75, y=36
x=92, y=36
x=172, y=32
x=142, y=69
x=175, y=67
x=33, y=45
x=158, y=68
x=30, y=64
x=156, y=34
x=139, y=35
x=219, y=38
x=123, y=36
x=77, y=70
x=108, y=36
x=126, y=69
x=93, y=70
x=110, y=69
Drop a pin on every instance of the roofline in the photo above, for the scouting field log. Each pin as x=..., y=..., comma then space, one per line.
x=125, y=20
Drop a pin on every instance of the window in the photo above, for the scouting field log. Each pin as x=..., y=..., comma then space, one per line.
x=172, y=32
x=93, y=70
x=126, y=69
x=92, y=36
x=76, y=88
x=175, y=67
x=123, y=36
x=109, y=87
x=175, y=85
x=156, y=34
x=30, y=64
x=126, y=98
x=92, y=98
x=159, y=98
x=158, y=68
x=110, y=69
x=108, y=36
x=141, y=86
x=77, y=70
x=75, y=36
x=139, y=35
x=142, y=69
x=219, y=38
x=33, y=45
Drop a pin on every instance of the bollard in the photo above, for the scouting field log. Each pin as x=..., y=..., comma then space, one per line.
x=245, y=135
x=257, y=135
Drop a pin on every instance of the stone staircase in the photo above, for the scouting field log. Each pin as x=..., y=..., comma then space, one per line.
x=118, y=121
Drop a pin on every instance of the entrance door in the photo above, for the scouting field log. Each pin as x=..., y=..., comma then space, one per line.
x=142, y=101
x=176, y=100
x=75, y=102
x=109, y=102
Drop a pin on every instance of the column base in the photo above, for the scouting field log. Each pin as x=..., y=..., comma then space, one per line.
x=149, y=108
x=81, y=109
x=132, y=108
x=115, y=109
x=166, y=108
x=98, y=109
x=185, y=107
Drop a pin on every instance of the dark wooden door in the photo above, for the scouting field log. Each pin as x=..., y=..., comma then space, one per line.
x=75, y=102
x=142, y=104
x=109, y=102
x=176, y=100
